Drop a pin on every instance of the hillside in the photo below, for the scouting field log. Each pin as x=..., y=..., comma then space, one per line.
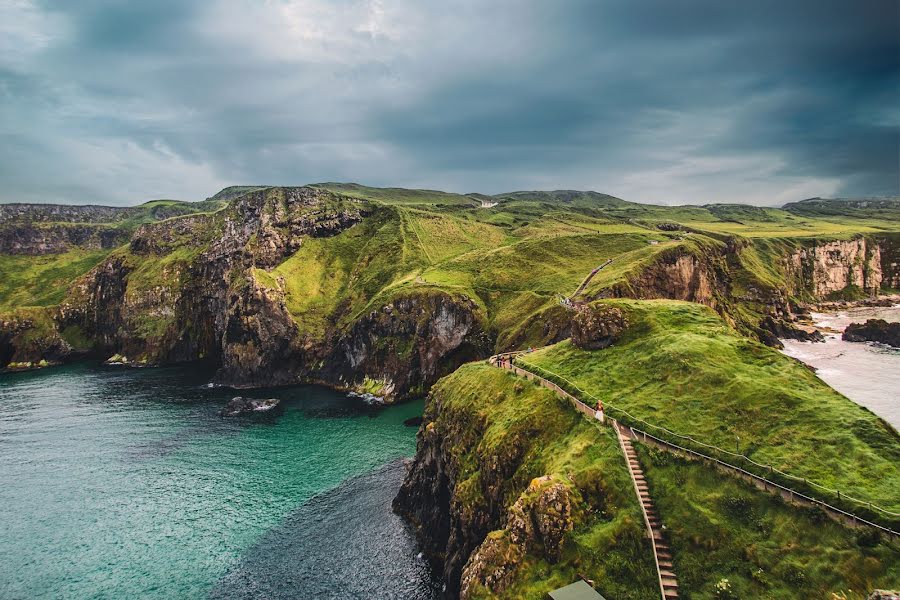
x=680, y=367
x=499, y=453
x=340, y=272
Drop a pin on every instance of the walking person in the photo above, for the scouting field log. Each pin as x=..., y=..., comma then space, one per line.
x=599, y=413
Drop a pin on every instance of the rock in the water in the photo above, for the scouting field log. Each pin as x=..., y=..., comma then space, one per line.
x=784, y=330
x=596, y=327
x=245, y=406
x=413, y=421
x=873, y=330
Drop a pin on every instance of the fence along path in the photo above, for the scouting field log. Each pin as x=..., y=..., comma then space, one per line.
x=505, y=360
x=662, y=554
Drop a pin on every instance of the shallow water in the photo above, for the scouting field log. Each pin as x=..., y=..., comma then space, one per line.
x=118, y=483
x=867, y=373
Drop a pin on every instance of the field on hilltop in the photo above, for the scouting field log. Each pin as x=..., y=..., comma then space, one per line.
x=679, y=366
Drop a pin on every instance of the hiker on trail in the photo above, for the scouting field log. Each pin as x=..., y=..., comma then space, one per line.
x=599, y=414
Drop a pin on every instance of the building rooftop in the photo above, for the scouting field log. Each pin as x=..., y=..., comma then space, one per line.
x=579, y=590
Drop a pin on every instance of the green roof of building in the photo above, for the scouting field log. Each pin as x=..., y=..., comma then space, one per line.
x=579, y=590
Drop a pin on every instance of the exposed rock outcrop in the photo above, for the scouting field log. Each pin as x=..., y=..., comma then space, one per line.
x=873, y=330
x=247, y=406
x=55, y=239
x=832, y=268
x=598, y=326
x=536, y=524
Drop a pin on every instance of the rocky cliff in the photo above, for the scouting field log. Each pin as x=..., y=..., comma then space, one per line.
x=761, y=286
x=498, y=491
x=833, y=268
x=192, y=287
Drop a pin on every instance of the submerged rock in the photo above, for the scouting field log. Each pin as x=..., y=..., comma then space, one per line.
x=873, y=330
x=413, y=421
x=245, y=406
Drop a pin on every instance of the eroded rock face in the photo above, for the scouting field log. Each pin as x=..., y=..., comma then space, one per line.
x=679, y=276
x=411, y=342
x=597, y=326
x=873, y=330
x=28, y=342
x=536, y=524
x=829, y=268
x=34, y=240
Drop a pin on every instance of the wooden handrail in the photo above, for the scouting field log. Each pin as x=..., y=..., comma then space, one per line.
x=835, y=513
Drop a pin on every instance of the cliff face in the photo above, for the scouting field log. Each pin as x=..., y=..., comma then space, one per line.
x=37, y=240
x=732, y=278
x=889, y=249
x=831, y=268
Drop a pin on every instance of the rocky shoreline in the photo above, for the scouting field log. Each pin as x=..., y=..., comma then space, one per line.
x=873, y=330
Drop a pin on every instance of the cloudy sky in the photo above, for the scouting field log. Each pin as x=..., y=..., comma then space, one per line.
x=655, y=101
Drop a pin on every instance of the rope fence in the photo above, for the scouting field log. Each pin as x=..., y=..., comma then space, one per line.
x=557, y=383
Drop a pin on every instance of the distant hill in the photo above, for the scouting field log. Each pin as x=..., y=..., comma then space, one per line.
x=865, y=208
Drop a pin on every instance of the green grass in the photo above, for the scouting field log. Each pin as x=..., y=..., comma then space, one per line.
x=395, y=196
x=723, y=528
x=680, y=366
x=42, y=280
x=490, y=413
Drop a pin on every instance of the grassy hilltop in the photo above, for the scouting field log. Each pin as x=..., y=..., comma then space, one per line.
x=513, y=259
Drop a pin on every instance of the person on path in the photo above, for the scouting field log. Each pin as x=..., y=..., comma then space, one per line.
x=599, y=413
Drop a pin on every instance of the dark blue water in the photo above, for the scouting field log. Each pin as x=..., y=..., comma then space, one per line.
x=122, y=483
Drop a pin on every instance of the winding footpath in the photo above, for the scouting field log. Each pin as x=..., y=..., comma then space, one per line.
x=662, y=553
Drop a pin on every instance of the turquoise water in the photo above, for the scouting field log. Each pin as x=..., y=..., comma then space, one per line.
x=122, y=483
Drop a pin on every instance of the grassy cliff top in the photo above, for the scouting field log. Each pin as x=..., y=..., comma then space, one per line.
x=719, y=527
x=679, y=366
x=493, y=422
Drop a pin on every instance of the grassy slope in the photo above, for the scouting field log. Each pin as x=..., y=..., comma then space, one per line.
x=607, y=543
x=722, y=528
x=680, y=366
x=42, y=280
x=513, y=259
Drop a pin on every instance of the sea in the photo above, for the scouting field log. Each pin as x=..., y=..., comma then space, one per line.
x=866, y=372
x=118, y=482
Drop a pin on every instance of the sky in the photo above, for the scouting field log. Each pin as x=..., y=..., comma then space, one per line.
x=764, y=102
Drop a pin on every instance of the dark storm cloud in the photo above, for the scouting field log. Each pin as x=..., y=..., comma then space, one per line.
x=655, y=101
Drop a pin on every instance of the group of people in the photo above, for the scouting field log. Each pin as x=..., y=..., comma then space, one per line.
x=505, y=362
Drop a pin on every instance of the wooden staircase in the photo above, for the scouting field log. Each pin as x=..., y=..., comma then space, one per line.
x=662, y=554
